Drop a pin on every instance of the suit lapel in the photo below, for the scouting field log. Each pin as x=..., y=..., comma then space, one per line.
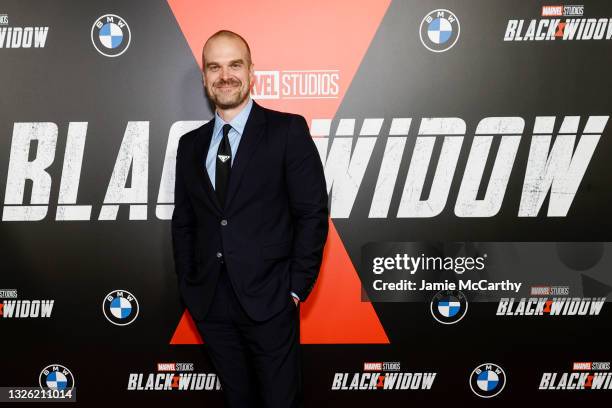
x=248, y=142
x=200, y=151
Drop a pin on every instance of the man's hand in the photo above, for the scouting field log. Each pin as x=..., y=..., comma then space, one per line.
x=295, y=300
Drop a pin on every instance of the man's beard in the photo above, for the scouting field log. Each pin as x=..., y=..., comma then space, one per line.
x=228, y=101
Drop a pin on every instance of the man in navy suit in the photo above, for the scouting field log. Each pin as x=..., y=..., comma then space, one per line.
x=249, y=226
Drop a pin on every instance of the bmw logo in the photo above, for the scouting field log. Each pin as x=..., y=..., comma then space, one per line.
x=487, y=380
x=120, y=307
x=110, y=35
x=439, y=30
x=449, y=306
x=56, y=377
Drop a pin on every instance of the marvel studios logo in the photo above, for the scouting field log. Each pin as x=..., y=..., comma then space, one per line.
x=174, y=367
x=381, y=366
x=549, y=290
x=8, y=293
x=296, y=84
x=591, y=366
x=562, y=11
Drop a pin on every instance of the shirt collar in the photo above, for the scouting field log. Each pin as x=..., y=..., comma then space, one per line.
x=239, y=121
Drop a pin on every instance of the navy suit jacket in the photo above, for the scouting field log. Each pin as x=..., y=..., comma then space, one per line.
x=272, y=230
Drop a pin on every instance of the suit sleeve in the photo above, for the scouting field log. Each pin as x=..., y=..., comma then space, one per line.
x=308, y=203
x=183, y=222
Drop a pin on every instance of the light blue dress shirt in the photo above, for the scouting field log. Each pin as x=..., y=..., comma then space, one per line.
x=234, y=136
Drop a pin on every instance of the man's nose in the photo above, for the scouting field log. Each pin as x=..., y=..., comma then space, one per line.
x=225, y=72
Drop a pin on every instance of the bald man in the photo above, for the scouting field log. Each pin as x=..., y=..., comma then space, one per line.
x=249, y=226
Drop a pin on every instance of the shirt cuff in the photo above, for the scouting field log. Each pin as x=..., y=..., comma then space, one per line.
x=295, y=296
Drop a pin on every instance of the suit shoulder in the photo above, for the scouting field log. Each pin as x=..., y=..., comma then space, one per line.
x=282, y=117
x=189, y=137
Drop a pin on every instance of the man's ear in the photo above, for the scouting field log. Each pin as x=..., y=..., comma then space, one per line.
x=252, y=75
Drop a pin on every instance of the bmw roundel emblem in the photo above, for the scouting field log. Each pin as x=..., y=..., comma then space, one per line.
x=449, y=306
x=439, y=30
x=120, y=307
x=110, y=35
x=487, y=380
x=56, y=377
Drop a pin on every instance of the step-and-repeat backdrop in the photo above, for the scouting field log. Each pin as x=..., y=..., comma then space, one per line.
x=467, y=155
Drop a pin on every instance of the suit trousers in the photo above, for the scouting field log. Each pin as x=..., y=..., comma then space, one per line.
x=258, y=363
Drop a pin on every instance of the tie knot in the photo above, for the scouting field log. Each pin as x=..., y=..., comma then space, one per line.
x=226, y=129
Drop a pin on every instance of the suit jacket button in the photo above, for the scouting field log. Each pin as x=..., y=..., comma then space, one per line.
x=219, y=254
x=224, y=222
